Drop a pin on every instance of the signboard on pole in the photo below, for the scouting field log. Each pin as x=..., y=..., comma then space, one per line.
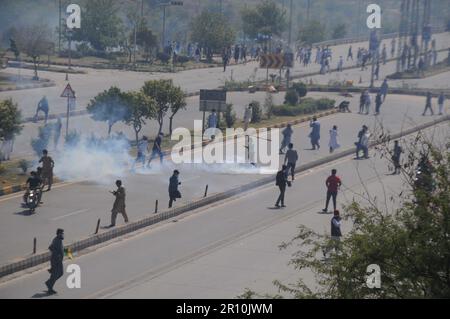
x=213, y=100
x=68, y=92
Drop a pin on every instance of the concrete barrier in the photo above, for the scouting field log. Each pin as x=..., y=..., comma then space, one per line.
x=189, y=206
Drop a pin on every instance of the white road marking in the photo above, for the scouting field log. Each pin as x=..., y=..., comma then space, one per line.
x=70, y=214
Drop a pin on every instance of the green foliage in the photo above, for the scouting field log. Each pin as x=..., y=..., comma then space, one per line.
x=256, y=112
x=237, y=85
x=212, y=30
x=340, y=31
x=23, y=165
x=313, y=32
x=101, y=25
x=291, y=97
x=108, y=106
x=140, y=108
x=267, y=19
x=409, y=242
x=166, y=96
x=41, y=142
x=147, y=40
x=2, y=169
x=10, y=120
x=306, y=106
x=35, y=41
x=230, y=116
x=300, y=88
x=72, y=139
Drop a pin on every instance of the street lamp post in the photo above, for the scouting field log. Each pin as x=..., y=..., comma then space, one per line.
x=164, y=5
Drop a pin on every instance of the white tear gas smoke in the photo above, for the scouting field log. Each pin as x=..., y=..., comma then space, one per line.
x=95, y=160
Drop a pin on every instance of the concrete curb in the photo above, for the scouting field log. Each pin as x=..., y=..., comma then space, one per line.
x=28, y=86
x=12, y=189
x=129, y=228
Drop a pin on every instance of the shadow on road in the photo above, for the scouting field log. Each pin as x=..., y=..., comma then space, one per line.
x=40, y=295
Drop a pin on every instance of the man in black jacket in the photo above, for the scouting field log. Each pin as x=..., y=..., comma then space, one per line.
x=281, y=182
x=56, y=261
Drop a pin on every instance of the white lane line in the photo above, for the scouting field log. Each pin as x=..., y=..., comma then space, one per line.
x=70, y=214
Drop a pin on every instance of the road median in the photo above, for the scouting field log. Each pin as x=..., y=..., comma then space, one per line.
x=189, y=206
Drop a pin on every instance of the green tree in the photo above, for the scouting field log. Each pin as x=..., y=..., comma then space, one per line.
x=108, y=106
x=267, y=18
x=10, y=120
x=101, y=24
x=147, y=40
x=256, y=111
x=34, y=41
x=410, y=243
x=211, y=30
x=167, y=97
x=313, y=32
x=140, y=108
x=230, y=116
x=340, y=31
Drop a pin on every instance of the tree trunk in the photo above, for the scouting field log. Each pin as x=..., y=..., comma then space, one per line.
x=170, y=124
x=35, y=68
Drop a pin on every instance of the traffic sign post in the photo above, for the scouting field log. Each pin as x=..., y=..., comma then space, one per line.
x=212, y=100
x=69, y=93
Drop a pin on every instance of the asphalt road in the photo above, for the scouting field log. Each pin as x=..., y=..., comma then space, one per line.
x=77, y=206
x=89, y=85
x=220, y=251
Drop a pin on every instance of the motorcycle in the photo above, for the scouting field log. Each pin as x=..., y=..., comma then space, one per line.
x=33, y=199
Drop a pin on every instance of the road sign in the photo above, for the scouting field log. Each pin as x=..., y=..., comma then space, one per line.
x=68, y=92
x=213, y=95
x=271, y=61
x=213, y=100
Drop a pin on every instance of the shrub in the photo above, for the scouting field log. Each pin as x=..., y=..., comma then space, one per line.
x=300, y=88
x=287, y=110
x=24, y=165
x=41, y=142
x=230, y=116
x=307, y=106
x=2, y=169
x=291, y=97
x=256, y=112
x=325, y=104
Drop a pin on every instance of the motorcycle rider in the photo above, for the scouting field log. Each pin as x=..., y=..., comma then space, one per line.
x=33, y=182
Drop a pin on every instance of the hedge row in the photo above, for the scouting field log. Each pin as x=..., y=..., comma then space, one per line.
x=306, y=106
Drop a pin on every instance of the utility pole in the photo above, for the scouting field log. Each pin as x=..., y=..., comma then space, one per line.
x=308, y=10
x=290, y=23
x=135, y=31
x=59, y=29
x=164, y=5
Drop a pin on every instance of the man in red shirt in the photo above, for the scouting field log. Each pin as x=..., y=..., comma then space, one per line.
x=333, y=183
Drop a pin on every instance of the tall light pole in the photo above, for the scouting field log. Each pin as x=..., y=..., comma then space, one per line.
x=59, y=29
x=164, y=5
x=290, y=23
